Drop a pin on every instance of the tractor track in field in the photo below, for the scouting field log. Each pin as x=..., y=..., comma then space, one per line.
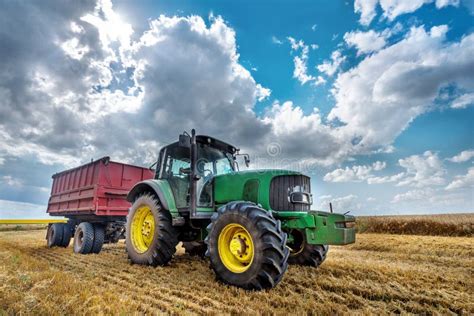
x=129, y=281
x=379, y=274
x=167, y=291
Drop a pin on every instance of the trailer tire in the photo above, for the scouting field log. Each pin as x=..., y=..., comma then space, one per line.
x=246, y=246
x=67, y=234
x=151, y=238
x=306, y=254
x=84, y=238
x=54, y=235
x=99, y=237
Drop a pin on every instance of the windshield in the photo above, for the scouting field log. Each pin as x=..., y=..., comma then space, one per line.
x=211, y=162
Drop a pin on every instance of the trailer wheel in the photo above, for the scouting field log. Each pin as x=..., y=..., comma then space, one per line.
x=54, y=235
x=150, y=237
x=247, y=246
x=306, y=254
x=84, y=238
x=99, y=236
x=67, y=234
x=195, y=248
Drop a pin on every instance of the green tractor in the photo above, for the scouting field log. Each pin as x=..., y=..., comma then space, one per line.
x=251, y=224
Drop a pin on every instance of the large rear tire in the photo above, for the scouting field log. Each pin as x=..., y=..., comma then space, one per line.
x=84, y=238
x=54, y=235
x=305, y=254
x=150, y=237
x=247, y=247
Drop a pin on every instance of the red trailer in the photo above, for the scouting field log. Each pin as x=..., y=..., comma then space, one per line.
x=93, y=198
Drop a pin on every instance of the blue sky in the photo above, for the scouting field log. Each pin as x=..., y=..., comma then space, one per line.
x=392, y=84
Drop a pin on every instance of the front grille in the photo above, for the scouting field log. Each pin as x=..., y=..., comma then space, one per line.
x=280, y=188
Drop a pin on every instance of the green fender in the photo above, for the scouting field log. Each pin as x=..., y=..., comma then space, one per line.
x=161, y=188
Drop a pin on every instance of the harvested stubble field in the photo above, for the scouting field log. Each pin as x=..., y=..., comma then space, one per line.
x=379, y=274
x=433, y=225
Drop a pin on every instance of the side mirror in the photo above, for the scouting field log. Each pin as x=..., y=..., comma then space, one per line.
x=184, y=141
x=247, y=160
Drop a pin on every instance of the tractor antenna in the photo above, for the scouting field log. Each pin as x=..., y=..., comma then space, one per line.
x=330, y=206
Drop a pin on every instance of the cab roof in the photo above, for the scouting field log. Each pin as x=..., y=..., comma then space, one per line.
x=216, y=143
x=213, y=142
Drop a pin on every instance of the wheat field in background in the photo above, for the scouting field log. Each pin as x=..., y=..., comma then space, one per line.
x=431, y=225
x=380, y=273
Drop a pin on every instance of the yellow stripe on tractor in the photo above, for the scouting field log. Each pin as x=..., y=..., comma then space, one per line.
x=30, y=221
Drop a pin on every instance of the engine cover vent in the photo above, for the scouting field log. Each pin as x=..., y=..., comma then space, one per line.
x=282, y=186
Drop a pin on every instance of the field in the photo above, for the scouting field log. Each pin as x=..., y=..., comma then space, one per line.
x=432, y=225
x=381, y=273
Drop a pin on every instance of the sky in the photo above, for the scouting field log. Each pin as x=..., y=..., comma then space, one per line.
x=374, y=99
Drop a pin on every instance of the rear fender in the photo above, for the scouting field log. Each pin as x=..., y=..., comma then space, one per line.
x=159, y=187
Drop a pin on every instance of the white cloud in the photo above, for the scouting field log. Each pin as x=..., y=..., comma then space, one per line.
x=20, y=210
x=464, y=181
x=413, y=195
x=429, y=200
x=329, y=67
x=276, y=40
x=367, y=10
x=11, y=181
x=444, y=3
x=463, y=156
x=422, y=170
x=339, y=204
x=301, y=69
x=365, y=42
x=386, y=179
x=463, y=101
x=394, y=8
x=355, y=173
x=377, y=99
x=292, y=128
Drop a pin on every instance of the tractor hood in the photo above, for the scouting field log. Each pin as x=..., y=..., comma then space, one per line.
x=249, y=185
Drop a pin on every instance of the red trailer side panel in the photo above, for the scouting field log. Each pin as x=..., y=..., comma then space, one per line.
x=97, y=188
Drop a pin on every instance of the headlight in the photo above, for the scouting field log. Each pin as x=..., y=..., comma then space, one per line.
x=300, y=197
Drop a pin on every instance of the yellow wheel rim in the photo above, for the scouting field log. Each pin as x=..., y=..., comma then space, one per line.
x=236, y=249
x=142, y=228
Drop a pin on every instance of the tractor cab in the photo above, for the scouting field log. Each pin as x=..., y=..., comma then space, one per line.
x=190, y=165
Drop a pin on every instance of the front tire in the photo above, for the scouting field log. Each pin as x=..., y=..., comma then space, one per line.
x=305, y=254
x=246, y=246
x=150, y=237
